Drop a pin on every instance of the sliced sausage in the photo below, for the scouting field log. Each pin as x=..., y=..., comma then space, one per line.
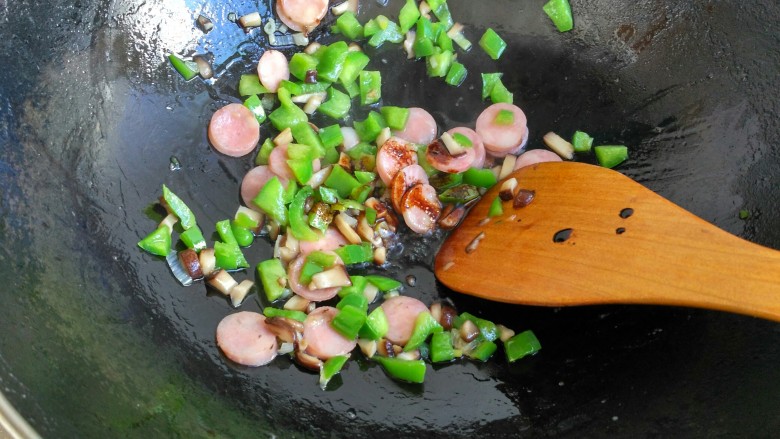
x=253, y=181
x=499, y=139
x=476, y=142
x=403, y=180
x=234, y=130
x=421, y=208
x=401, y=313
x=420, y=127
x=301, y=15
x=272, y=69
x=322, y=341
x=535, y=156
x=394, y=155
x=244, y=337
x=332, y=240
x=440, y=158
x=294, y=280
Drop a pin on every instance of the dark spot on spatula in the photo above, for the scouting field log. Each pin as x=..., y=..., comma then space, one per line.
x=620, y=230
x=562, y=235
x=627, y=212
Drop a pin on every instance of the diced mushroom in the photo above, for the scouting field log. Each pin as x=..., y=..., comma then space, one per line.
x=507, y=190
x=223, y=282
x=288, y=330
x=331, y=278
x=190, y=262
x=368, y=347
x=507, y=166
x=504, y=333
x=250, y=20
x=468, y=330
x=169, y=221
x=253, y=215
x=342, y=222
x=308, y=361
x=380, y=255
x=451, y=216
x=448, y=315
x=208, y=262
x=284, y=138
x=240, y=291
x=297, y=303
x=559, y=145
x=371, y=292
x=205, y=24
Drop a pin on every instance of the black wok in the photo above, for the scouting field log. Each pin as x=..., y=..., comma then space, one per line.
x=98, y=340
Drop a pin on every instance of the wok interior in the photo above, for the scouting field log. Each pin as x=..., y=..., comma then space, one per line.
x=99, y=339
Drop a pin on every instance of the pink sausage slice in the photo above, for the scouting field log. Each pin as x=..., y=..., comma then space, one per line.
x=476, y=142
x=401, y=313
x=322, y=341
x=394, y=155
x=253, y=181
x=535, y=156
x=332, y=240
x=245, y=338
x=440, y=158
x=294, y=279
x=501, y=139
x=272, y=69
x=234, y=130
x=301, y=15
x=403, y=180
x=420, y=127
x=421, y=208
x=277, y=163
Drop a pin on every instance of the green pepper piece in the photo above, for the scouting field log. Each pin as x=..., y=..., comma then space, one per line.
x=581, y=141
x=341, y=181
x=492, y=44
x=354, y=63
x=355, y=253
x=179, y=208
x=229, y=256
x=483, y=351
x=441, y=348
x=309, y=269
x=370, y=215
x=325, y=260
x=460, y=194
x=423, y=47
x=349, y=25
x=243, y=220
x=438, y=64
x=302, y=63
x=331, y=136
x=520, y=345
x=443, y=180
x=504, y=117
x=376, y=325
x=412, y=371
x=442, y=39
x=256, y=107
x=337, y=105
x=294, y=88
x=487, y=328
x=361, y=193
x=193, y=238
x=364, y=177
x=489, y=81
x=352, y=89
x=384, y=284
x=299, y=226
x=462, y=140
x=369, y=129
x=225, y=232
x=456, y=75
x=348, y=321
x=559, y=12
x=424, y=326
x=332, y=61
x=610, y=156
x=408, y=16
x=389, y=31
x=301, y=169
x=500, y=94
x=158, y=242
x=422, y=160
x=304, y=134
x=187, y=69
x=328, y=195
x=461, y=40
x=395, y=117
x=370, y=83
x=442, y=12
x=361, y=149
x=330, y=368
x=273, y=276
x=346, y=203
x=358, y=286
x=250, y=85
x=424, y=29
x=320, y=216
x=288, y=114
x=371, y=27
x=496, y=209
x=289, y=192
x=271, y=200
x=358, y=300
x=480, y=177
x=244, y=237
x=270, y=311
x=265, y=151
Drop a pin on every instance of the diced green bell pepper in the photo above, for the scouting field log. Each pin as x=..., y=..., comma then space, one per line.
x=438, y=64
x=355, y=253
x=358, y=300
x=288, y=114
x=331, y=136
x=483, y=351
x=424, y=326
x=496, y=209
x=271, y=200
x=348, y=321
x=365, y=177
x=250, y=85
x=265, y=151
x=500, y=94
x=408, y=16
x=368, y=129
x=581, y=141
x=299, y=224
x=423, y=47
x=559, y=12
x=395, y=117
x=480, y=177
x=193, y=238
x=456, y=75
x=349, y=25
x=610, y=156
x=370, y=83
x=488, y=329
x=443, y=180
x=412, y=371
x=309, y=269
x=273, y=276
x=332, y=61
x=229, y=256
x=358, y=286
x=337, y=105
x=342, y=181
x=354, y=64
x=328, y=195
x=187, y=69
x=330, y=368
x=244, y=236
x=442, y=12
x=492, y=44
x=389, y=31
x=301, y=63
x=384, y=284
x=270, y=311
x=376, y=325
x=441, y=348
x=179, y=208
x=489, y=81
x=158, y=242
x=255, y=105
x=520, y=345
x=225, y=232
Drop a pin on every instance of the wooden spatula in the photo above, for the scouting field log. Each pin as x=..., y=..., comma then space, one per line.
x=594, y=236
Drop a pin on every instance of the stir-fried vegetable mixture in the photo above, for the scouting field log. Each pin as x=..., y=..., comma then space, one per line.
x=333, y=198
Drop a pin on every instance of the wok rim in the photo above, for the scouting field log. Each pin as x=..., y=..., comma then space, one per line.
x=13, y=423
